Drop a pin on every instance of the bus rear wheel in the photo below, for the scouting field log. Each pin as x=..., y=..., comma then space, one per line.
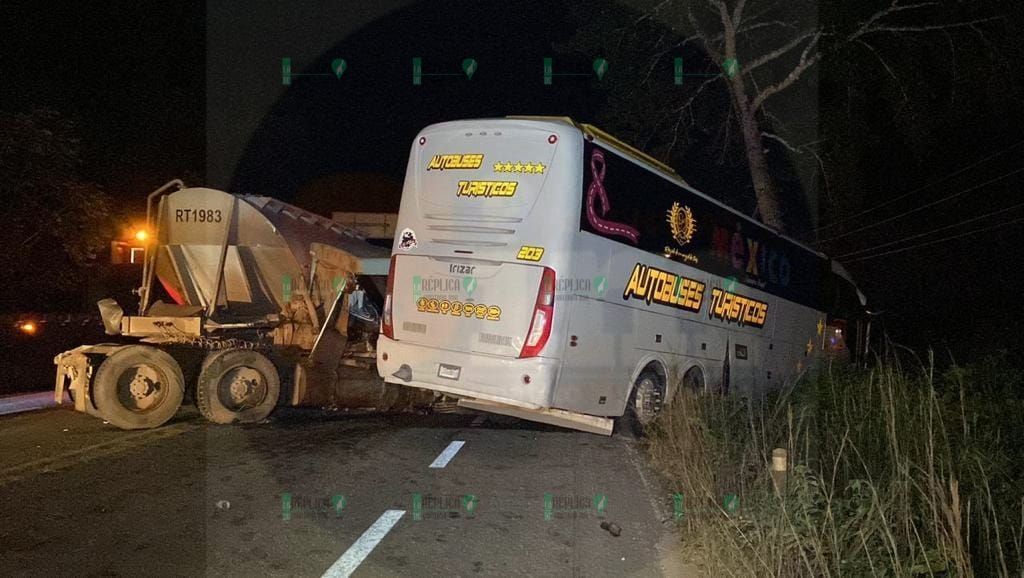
x=693, y=380
x=237, y=385
x=644, y=404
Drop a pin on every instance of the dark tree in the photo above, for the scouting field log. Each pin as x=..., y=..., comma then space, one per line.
x=753, y=54
x=53, y=225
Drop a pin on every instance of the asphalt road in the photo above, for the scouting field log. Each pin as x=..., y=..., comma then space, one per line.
x=316, y=493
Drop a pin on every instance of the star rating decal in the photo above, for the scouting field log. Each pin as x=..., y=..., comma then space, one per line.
x=520, y=167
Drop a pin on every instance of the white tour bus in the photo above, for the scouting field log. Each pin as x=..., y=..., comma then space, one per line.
x=545, y=270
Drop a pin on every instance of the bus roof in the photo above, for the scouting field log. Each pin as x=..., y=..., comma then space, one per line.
x=659, y=167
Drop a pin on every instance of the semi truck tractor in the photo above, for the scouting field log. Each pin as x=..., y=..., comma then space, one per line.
x=245, y=303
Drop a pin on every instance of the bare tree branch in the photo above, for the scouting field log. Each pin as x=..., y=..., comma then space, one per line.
x=873, y=24
x=675, y=135
x=718, y=5
x=766, y=58
x=805, y=62
x=887, y=68
x=780, y=140
x=822, y=172
x=893, y=8
x=712, y=52
x=737, y=12
x=652, y=12
x=759, y=25
x=727, y=128
x=689, y=102
x=932, y=27
x=655, y=59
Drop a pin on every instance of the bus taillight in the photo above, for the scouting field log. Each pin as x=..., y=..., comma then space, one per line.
x=543, y=312
x=386, y=325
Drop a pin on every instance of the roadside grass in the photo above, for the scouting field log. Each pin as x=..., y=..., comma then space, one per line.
x=892, y=471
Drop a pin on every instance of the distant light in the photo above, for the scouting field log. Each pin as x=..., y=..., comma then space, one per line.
x=141, y=235
x=28, y=327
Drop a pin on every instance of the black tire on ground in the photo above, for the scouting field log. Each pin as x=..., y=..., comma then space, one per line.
x=138, y=387
x=237, y=385
x=693, y=380
x=645, y=403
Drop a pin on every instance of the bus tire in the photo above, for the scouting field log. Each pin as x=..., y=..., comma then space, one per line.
x=693, y=380
x=644, y=405
x=237, y=385
x=138, y=387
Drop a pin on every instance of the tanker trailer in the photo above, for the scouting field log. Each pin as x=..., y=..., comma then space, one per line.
x=238, y=291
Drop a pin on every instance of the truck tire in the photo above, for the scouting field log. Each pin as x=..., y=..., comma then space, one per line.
x=645, y=403
x=138, y=387
x=237, y=385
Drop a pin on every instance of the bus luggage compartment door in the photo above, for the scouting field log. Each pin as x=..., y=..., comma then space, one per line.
x=600, y=338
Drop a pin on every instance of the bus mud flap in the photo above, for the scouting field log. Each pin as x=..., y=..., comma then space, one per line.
x=558, y=417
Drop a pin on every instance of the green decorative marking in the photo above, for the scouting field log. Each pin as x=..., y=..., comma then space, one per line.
x=286, y=71
x=548, y=70
x=417, y=70
x=549, y=507
x=730, y=66
x=600, y=284
x=417, y=506
x=337, y=504
x=338, y=65
x=470, y=502
x=286, y=506
x=469, y=67
x=677, y=70
x=677, y=507
x=600, y=503
x=469, y=283
x=286, y=286
x=731, y=503
x=600, y=67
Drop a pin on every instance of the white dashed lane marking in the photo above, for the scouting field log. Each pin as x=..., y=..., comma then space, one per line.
x=448, y=453
x=362, y=547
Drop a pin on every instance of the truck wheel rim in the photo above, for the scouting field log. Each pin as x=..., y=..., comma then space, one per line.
x=242, y=387
x=142, y=388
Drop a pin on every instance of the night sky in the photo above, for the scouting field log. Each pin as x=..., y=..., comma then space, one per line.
x=129, y=74
x=166, y=90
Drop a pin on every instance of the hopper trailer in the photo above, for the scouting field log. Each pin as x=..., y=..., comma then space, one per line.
x=246, y=303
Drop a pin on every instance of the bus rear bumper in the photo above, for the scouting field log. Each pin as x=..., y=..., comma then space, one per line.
x=480, y=376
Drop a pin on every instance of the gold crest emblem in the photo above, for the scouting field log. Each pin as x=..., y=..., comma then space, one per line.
x=680, y=219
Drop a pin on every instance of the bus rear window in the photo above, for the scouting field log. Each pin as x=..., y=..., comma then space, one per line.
x=488, y=172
